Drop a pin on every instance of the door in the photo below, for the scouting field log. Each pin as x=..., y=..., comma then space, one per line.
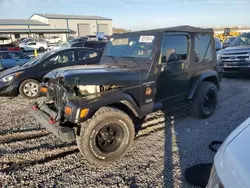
x=61, y=59
x=31, y=46
x=83, y=29
x=103, y=28
x=87, y=57
x=6, y=60
x=19, y=58
x=172, y=84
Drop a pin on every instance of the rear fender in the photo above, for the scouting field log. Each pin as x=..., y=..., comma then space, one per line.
x=210, y=76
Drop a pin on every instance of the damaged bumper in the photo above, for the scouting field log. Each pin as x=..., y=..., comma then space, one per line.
x=49, y=119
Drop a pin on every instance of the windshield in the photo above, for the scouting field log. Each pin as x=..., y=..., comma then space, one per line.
x=38, y=59
x=241, y=40
x=130, y=46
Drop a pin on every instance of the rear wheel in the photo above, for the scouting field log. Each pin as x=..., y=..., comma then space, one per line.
x=106, y=137
x=41, y=49
x=205, y=101
x=29, y=89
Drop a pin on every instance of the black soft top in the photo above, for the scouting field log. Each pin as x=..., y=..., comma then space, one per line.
x=184, y=28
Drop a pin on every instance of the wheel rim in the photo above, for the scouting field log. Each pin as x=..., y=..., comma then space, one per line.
x=31, y=89
x=209, y=101
x=109, y=138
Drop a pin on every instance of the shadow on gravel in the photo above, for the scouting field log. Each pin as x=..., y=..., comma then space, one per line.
x=19, y=166
x=45, y=145
x=11, y=131
x=23, y=138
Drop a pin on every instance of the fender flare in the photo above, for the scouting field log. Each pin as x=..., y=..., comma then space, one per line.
x=209, y=75
x=110, y=99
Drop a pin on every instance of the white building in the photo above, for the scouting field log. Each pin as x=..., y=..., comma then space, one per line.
x=45, y=25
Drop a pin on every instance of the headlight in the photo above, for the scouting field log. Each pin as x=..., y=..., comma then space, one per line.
x=214, y=180
x=218, y=56
x=10, y=77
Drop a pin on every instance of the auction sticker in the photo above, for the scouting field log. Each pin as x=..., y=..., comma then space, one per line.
x=146, y=39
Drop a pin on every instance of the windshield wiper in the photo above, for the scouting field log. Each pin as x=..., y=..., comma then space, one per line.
x=133, y=59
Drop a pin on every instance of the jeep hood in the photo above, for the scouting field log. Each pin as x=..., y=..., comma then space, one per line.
x=95, y=75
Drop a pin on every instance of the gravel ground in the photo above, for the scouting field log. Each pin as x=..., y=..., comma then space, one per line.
x=32, y=157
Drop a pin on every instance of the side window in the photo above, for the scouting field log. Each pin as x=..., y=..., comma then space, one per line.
x=5, y=56
x=32, y=44
x=77, y=44
x=174, y=48
x=203, y=48
x=62, y=58
x=84, y=54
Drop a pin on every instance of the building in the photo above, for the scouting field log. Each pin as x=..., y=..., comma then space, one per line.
x=46, y=25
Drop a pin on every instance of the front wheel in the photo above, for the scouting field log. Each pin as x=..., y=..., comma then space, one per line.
x=206, y=100
x=29, y=89
x=106, y=137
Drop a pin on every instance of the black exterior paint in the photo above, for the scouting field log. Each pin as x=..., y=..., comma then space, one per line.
x=170, y=83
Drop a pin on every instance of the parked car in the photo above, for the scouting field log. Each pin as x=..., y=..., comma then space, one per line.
x=9, y=47
x=25, y=79
x=228, y=42
x=100, y=45
x=31, y=46
x=74, y=40
x=231, y=163
x=235, y=59
x=139, y=72
x=92, y=37
x=54, y=40
x=218, y=44
x=12, y=59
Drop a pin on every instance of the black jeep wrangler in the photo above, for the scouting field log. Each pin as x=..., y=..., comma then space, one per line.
x=140, y=72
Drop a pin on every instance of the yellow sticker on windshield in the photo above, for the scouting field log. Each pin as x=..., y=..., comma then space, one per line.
x=146, y=39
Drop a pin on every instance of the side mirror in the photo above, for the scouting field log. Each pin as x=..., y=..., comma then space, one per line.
x=171, y=55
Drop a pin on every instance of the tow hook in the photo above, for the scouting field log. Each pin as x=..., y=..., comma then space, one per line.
x=35, y=107
x=52, y=120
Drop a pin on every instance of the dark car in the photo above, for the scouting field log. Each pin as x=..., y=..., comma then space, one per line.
x=25, y=79
x=140, y=72
x=235, y=59
x=12, y=59
x=99, y=45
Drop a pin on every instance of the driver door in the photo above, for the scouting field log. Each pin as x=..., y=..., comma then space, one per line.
x=172, y=85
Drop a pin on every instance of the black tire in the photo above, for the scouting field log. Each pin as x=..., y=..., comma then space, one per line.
x=205, y=101
x=41, y=49
x=88, y=141
x=25, y=94
x=22, y=50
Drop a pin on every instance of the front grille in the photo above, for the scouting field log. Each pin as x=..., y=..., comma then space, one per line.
x=235, y=59
x=57, y=92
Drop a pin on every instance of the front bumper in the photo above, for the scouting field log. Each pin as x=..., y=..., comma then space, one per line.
x=8, y=90
x=235, y=70
x=44, y=115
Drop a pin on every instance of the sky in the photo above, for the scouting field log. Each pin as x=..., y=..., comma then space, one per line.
x=139, y=14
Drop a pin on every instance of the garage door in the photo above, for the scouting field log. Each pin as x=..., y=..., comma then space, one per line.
x=103, y=28
x=83, y=29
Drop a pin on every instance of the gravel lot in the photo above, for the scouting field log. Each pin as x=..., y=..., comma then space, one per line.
x=31, y=157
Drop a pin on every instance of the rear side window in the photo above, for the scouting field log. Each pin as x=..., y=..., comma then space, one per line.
x=79, y=44
x=84, y=54
x=179, y=43
x=32, y=43
x=203, y=48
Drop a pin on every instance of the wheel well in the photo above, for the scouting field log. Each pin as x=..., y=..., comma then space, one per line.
x=214, y=80
x=23, y=81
